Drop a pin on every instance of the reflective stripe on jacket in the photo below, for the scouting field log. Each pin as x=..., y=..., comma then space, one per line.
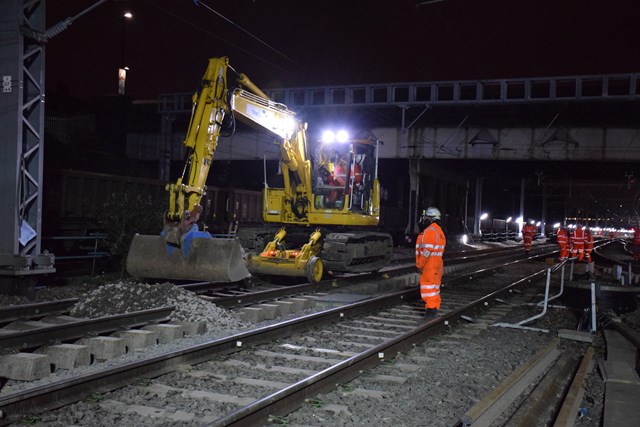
x=578, y=236
x=562, y=237
x=430, y=243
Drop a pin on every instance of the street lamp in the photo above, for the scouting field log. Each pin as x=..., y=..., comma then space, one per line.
x=122, y=70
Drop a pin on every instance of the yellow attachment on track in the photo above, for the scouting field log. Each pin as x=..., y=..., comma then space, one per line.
x=277, y=261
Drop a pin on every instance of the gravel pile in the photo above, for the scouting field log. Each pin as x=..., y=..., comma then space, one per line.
x=127, y=297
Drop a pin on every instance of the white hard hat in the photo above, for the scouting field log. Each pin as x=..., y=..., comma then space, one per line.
x=432, y=213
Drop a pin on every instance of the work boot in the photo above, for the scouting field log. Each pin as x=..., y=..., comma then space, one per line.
x=431, y=313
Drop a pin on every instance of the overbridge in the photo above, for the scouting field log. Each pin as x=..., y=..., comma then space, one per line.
x=566, y=144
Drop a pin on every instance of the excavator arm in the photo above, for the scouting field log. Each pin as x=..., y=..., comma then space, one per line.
x=182, y=251
x=210, y=106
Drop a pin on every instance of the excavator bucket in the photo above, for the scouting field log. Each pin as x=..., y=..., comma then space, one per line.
x=207, y=259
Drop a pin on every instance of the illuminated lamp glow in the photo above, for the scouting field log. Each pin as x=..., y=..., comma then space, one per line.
x=128, y=15
x=556, y=225
x=328, y=136
x=342, y=136
x=509, y=219
x=464, y=239
x=484, y=216
x=288, y=126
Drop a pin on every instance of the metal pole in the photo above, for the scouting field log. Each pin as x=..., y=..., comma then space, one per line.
x=478, y=208
x=546, y=301
x=95, y=252
x=571, y=272
x=593, y=307
x=522, y=185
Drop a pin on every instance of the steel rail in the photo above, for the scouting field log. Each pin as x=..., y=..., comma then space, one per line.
x=334, y=283
x=64, y=392
x=17, y=312
x=290, y=398
x=38, y=337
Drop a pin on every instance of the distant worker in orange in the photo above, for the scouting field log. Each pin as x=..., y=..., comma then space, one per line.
x=588, y=245
x=528, y=231
x=429, y=250
x=563, y=242
x=635, y=245
x=578, y=239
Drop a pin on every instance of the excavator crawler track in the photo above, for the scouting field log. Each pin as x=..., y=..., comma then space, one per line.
x=356, y=252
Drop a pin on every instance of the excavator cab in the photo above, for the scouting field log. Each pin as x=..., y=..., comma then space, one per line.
x=336, y=191
x=342, y=175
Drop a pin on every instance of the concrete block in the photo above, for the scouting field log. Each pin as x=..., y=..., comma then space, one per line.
x=250, y=314
x=270, y=311
x=104, y=348
x=286, y=307
x=68, y=356
x=167, y=332
x=193, y=328
x=25, y=366
x=135, y=339
x=302, y=303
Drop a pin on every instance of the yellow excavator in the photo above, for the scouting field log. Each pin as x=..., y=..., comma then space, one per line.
x=328, y=203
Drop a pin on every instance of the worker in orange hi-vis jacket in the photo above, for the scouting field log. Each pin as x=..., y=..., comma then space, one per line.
x=588, y=244
x=528, y=231
x=563, y=242
x=578, y=239
x=635, y=245
x=429, y=250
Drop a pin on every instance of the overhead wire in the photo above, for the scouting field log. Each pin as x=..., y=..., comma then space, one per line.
x=200, y=2
x=199, y=28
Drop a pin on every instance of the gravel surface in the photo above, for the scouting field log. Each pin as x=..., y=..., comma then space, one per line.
x=451, y=379
x=454, y=375
x=129, y=296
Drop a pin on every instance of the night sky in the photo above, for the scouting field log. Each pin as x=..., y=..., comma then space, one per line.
x=312, y=42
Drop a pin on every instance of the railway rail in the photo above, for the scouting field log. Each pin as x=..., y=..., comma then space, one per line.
x=408, y=331
x=259, y=376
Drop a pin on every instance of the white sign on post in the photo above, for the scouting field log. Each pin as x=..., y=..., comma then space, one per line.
x=6, y=84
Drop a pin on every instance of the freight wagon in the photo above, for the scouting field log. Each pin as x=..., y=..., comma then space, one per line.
x=73, y=199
